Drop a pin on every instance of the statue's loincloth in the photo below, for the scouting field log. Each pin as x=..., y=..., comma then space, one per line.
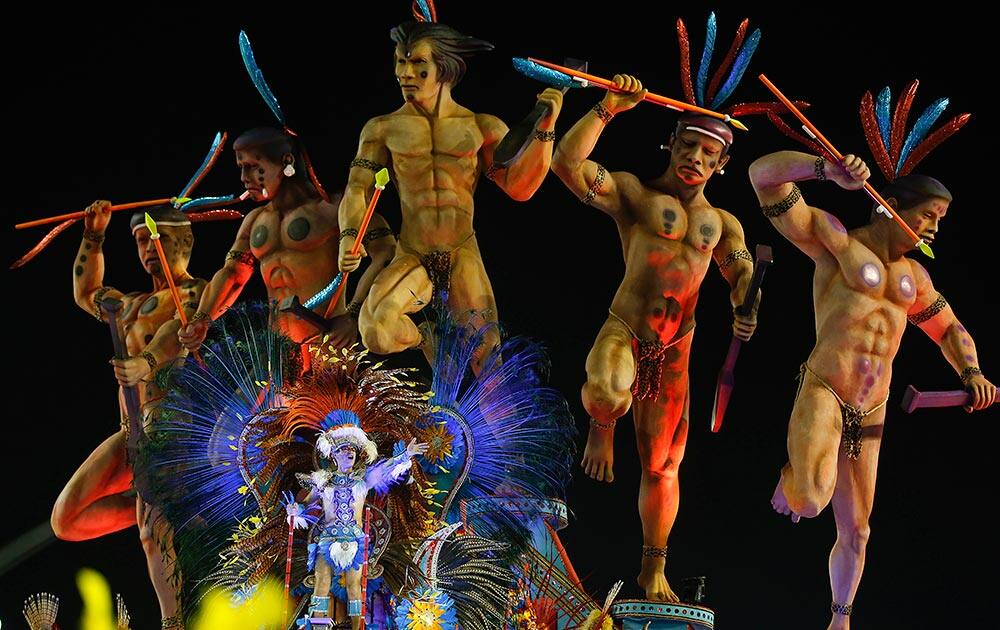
x=852, y=416
x=649, y=358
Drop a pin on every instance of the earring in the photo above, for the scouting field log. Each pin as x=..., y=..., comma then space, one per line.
x=722, y=171
x=664, y=147
x=289, y=170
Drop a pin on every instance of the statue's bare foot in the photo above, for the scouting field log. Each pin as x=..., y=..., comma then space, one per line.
x=599, y=455
x=780, y=503
x=653, y=581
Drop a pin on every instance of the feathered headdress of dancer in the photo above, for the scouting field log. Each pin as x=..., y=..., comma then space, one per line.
x=344, y=427
x=897, y=152
x=342, y=387
x=182, y=201
x=512, y=433
x=257, y=77
x=712, y=93
x=40, y=611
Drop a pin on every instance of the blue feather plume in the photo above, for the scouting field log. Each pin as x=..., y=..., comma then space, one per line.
x=882, y=104
x=921, y=128
x=519, y=431
x=706, y=59
x=258, y=78
x=740, y=65
x=326, y=292
x=213, y=153
x=550, y=77
x=201, y=456
x=208, y=202
x=425, y=10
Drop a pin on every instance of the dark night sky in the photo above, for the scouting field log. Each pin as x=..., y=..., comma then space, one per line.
x=123, y=106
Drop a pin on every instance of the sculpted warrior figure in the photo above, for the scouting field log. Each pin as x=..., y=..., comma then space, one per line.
x=670, y=234
x=436, y=150
x=864, y=291
x=97, y=501
x=293, y=237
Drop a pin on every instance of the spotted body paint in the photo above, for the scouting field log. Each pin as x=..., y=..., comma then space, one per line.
x=259, y=236
x=906, y=286
x=298, y=229
x=871, y=275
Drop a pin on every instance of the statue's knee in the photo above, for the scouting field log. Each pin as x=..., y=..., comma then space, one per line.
x=856, y=536
x=376, y=337
x=603, y=401
x=809, y=499
x=60, y=520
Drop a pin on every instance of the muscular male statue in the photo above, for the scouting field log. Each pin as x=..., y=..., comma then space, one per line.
x=436, y=150
x=97, y=501
x=670, y=234
x=294, y=238
x=864, y=291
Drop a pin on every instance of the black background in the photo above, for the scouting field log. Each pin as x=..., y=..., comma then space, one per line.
x=123, y=106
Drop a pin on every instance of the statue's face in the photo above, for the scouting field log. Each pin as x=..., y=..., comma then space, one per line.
x=695, y=157
x=176, y=242
x=345, y=456
x=416, y=72
x=925, y=218
x=260, y=176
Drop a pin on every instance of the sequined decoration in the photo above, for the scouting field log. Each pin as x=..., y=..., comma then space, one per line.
x=727, y=61
x=921, y=128
x=796, y=136
x=882, y=104
x=932, y=142
x=773, y=210
x=258, y=78
x=706, y=58
x=596, y=186
x=326, y=293
x=739, y=67
x=214, y=215
x=543, y=74
x=366, y=164
x=936, y=307
x=851, y=435
x=218, y=144
x=377, y=233
x=732, y=257
x=684, y=42
x=42, y=244
x=874, y=137
x=754, y=109
x=438, y=266
x=649, y=368
x=899, y=118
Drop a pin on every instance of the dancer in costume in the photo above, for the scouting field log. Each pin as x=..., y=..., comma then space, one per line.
x=865, y=290
x=341, y=490
x=96, y=501
x=436, y=150
x=293, y=236
x=670, y=234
